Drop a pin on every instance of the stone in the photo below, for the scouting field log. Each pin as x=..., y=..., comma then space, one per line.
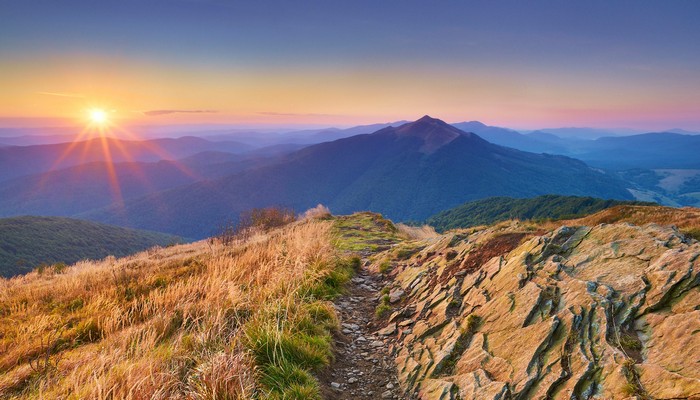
x=528, y=303
x=388, y=330
x=395, y=295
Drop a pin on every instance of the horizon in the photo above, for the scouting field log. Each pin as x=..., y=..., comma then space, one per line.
x=143, y=131
x=187, y=62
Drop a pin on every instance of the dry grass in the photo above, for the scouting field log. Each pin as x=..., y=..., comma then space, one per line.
x=318, y=212
x=416, y=232
x=175, y=322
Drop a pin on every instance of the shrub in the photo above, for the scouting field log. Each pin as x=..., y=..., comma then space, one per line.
x=384, y=267
x=266, y=218
x=318, y=212
x=630, y=342
x=59, y=268
x=383, y=308
x=254, y=220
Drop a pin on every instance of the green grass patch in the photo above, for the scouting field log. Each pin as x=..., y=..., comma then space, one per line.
x=383, y=308
x=384, y=267
x=291, y=340
x=693, y=233
x=330, y=284
x=364, y=232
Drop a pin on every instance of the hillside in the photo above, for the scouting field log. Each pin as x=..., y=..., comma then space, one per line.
x=26, y=242
x=408, y=172
x=200, y=320
x=514, y=310
x=100, y=184
x=497, y=209
x=17, y=161
x=650, y=150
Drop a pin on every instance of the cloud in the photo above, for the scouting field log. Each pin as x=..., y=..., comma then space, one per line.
x=59, y=94
x=153, y=113
x=279, y=114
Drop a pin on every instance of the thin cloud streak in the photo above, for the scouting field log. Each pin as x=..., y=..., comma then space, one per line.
x=279, y=114
x=59, y=94
x=154, y=113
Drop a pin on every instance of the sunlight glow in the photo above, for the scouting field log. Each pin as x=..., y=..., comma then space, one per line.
x=98, y=117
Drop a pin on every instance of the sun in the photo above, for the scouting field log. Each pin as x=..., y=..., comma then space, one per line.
x=98, y=117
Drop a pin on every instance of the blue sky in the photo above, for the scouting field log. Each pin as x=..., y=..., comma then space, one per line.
x=539, y=63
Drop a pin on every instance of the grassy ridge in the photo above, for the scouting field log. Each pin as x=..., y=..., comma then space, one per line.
x=26, y=242
x=202, y=320
x=496, y=209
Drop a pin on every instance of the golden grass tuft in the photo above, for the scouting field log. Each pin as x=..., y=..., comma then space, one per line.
x=171, y=322
x=416, y=232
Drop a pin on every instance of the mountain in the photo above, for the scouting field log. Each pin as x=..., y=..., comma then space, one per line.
x=496, y=209
x=82, y=188
x=16, y=161
x=407, y=172
x=26, y=242
x=305, y=137
x=649, y=150
x=85, y=187
x=588, y=133
x=510, y=138
x=682, y=131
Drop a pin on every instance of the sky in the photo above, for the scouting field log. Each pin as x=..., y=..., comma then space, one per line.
x=521, y=64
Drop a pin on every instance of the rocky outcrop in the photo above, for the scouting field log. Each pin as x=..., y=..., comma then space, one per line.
x=604, y=312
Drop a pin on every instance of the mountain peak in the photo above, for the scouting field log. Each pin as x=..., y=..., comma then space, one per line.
x=434, y=132
x=428, y=118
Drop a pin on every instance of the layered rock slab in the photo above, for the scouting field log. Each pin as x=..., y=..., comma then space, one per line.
x=611, y=311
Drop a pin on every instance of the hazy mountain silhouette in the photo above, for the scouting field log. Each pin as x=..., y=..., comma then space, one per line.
x=407, y=172
x=17, y=161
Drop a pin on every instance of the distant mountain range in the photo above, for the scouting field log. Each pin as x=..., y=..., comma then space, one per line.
x=18, y=161
x=26, y=242
x=648, y=150
x=406, y=172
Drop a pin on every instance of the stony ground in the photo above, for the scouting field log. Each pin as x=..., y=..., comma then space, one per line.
x=364, y=367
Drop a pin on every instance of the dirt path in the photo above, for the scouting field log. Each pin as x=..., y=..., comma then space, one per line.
x=364, y=367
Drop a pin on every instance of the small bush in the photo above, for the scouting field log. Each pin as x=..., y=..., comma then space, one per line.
x=59, y=268
x=630, y=342
x=318, y=212
x=267, y=218
x=41, y=268
x=254, y=220
x=473, y=322
x=383, y=308
x=384, y=267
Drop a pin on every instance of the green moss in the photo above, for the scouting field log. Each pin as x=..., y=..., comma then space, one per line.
x=364, y=232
